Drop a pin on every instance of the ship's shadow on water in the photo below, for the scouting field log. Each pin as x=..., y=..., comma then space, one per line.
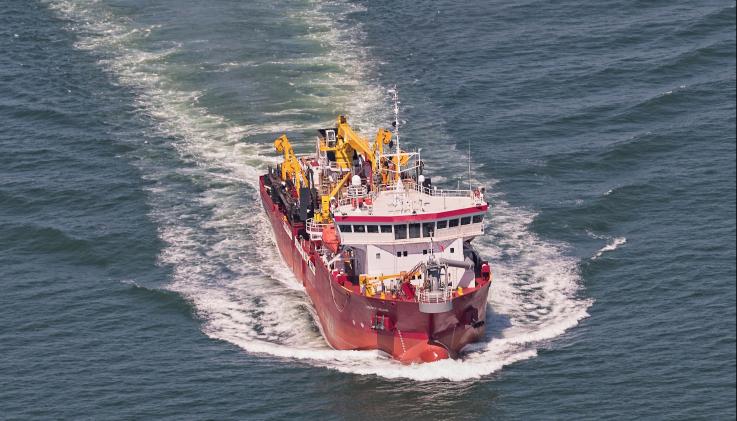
x=496, y=323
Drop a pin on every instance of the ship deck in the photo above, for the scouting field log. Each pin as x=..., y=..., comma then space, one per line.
x=409, y=199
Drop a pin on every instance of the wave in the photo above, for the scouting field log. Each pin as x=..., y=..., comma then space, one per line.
x=614, y=244
x=163, y=298
x=207, y=210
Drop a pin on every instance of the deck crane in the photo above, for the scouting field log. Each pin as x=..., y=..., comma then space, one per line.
x=348, y=142
x=324, y=215
x=290, y=169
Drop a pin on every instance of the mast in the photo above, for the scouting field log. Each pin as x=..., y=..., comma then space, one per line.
x=395, y=100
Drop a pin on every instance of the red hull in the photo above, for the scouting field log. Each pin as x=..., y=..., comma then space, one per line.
x=346, y=315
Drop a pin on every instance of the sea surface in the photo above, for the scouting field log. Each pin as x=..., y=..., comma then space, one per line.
x=138, y=275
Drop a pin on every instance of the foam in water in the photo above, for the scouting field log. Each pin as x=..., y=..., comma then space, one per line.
x=222, y=260
x=611, y=246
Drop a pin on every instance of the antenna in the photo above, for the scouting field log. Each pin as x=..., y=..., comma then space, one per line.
x=395, y=99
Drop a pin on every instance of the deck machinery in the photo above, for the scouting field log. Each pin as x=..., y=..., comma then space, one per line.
x=385, y=257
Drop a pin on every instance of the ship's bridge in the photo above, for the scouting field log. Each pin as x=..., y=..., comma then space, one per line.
x=408, y=213
x=395, y=228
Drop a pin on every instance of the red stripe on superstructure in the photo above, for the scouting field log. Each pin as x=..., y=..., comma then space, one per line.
x=417, y=217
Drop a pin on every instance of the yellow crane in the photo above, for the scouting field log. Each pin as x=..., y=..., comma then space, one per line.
x=383, y=137
x=324, y=216
x=290, y=168
x=348, y=142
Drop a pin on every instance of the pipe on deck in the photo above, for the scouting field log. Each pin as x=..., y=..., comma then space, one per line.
x=466, y=264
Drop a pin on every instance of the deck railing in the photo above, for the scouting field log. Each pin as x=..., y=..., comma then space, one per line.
x=314, y=229
x=359, y=197
x=430, y=191
x=435, y=297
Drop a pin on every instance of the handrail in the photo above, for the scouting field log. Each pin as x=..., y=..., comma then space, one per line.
x=357, y=192
x=412, y=185
x=435, y=297
x=314, y=229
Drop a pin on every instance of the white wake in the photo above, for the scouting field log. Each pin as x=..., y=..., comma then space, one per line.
x=217, y=239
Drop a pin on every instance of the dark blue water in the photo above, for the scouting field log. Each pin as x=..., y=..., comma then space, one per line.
x=139, y=279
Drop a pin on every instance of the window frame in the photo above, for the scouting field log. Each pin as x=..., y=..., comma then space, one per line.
x=430, y=232
x=400, y=234
x=415, y=230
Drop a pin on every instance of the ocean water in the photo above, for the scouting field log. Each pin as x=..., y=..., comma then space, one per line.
x=139, y=279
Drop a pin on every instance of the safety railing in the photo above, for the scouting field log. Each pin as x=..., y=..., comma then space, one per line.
x=435, y=297
x=359, y=196
x=365, y=203
x=357, y=192
x=314, y=229
x=430, y=191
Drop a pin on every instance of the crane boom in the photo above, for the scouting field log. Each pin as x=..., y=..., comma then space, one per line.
x=350, y=141
x=324, y=215
x=290, y=168
x=357, y=142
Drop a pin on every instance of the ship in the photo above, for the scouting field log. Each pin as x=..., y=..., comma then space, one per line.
x=385, y=256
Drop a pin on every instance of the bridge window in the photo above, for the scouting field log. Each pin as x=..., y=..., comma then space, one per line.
x=477, y=219
x=428, y=229
x=359, y=228
x=465, y=220
x=372, y=228
x=400, y=232
x=345, y=228
x=452, y=223
x=414, y=230
x=442, y=224
x=386, y=229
